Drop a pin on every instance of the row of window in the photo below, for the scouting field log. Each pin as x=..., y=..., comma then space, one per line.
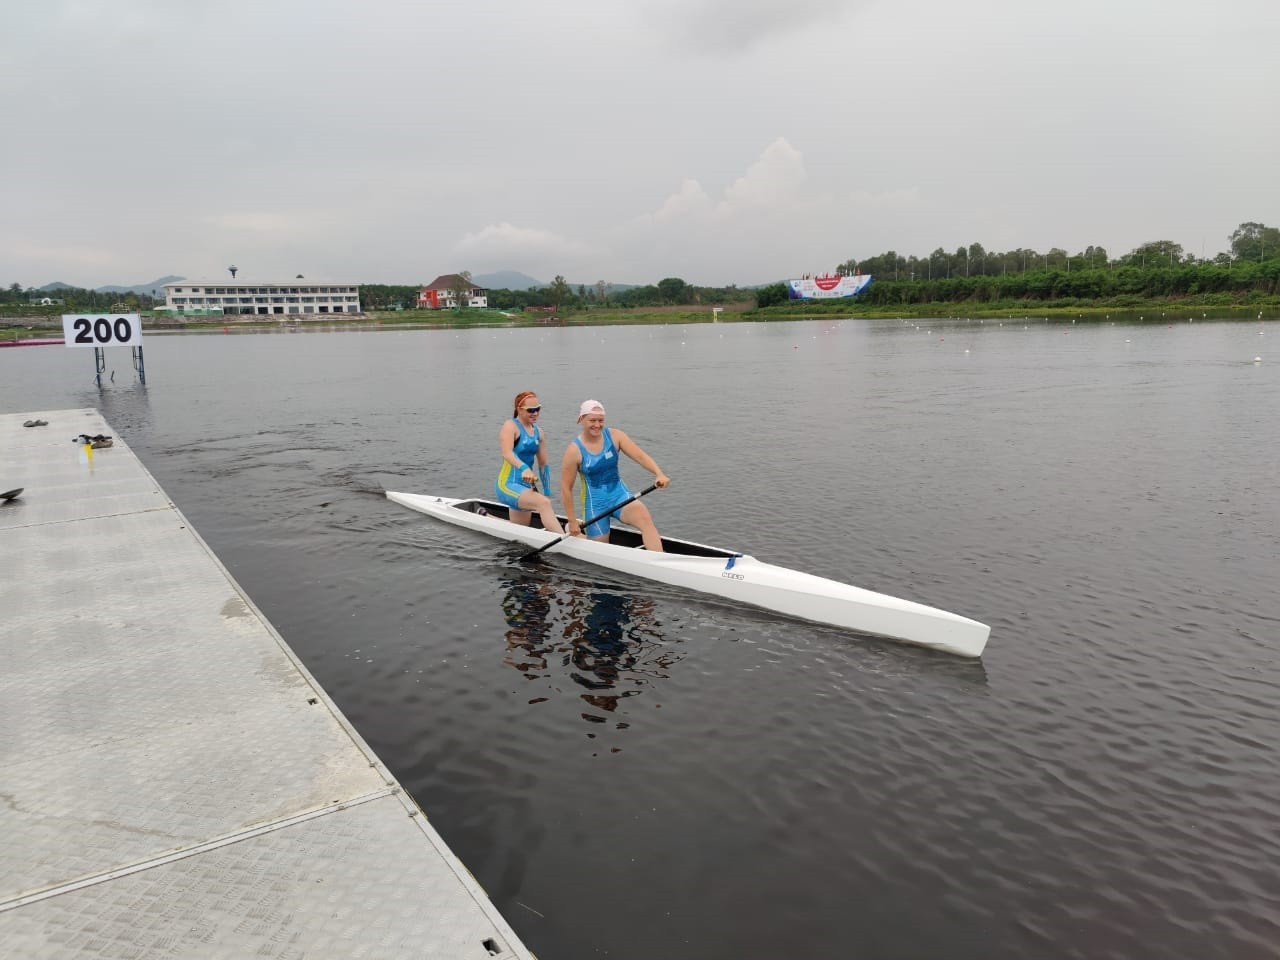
x=253, y=311
x=194, y=300
x=275, y=290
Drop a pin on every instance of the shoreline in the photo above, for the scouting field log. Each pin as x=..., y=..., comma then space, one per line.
x=24, y=328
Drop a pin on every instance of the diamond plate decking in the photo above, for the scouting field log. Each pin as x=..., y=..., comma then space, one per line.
x=173, y=782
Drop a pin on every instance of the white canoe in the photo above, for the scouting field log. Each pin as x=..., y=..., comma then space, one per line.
x=728, y=574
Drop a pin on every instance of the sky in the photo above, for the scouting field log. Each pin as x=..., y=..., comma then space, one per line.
x=720, y=141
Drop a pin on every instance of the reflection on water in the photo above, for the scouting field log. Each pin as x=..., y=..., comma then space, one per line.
x=609, y=644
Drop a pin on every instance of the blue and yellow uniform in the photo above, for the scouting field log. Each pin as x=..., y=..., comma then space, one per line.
x=602, y=487
x=509, y=486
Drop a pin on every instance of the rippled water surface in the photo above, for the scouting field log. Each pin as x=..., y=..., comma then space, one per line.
x=635, y=771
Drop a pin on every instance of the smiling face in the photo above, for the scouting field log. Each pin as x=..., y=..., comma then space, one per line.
x=593, y=426
x=530, y=407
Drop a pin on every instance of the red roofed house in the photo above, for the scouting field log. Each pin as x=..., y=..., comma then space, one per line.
x=441, y=293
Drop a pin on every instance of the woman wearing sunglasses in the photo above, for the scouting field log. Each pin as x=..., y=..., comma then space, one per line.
x=520, y=442
x=594, y=455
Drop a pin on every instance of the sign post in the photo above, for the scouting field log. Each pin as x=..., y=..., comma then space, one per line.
x=106, y=330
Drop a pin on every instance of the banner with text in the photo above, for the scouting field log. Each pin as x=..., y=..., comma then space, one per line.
x=828, y=287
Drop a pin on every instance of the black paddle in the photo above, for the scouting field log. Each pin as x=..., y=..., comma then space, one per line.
x=600, y=516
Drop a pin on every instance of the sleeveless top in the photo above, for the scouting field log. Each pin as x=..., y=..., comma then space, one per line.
x=526, y=445
x=600, y=470
x=526, y=448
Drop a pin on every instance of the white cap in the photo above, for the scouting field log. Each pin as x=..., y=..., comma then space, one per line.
x=590, y=406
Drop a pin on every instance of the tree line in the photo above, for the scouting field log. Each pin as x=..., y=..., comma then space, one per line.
x=562, y=295
x=1250, y=242
x=75, y=300
x=1160, y=268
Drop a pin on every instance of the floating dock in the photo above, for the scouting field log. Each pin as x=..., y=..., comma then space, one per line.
x=173, y=782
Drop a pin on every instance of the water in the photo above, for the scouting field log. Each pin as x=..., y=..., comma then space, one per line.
x=634, y=771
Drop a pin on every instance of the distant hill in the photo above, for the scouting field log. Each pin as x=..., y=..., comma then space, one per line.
x=156, y=285
x=507, y=280
x=140, y=288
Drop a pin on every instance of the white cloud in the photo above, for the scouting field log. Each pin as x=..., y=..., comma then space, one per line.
x=773, y=180
x=689, y=201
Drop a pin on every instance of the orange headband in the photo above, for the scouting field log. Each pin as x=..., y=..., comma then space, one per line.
x=520, y=399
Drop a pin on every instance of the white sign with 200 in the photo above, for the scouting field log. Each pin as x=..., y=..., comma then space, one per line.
x=102, y=330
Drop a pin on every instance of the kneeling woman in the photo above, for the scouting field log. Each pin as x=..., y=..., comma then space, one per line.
x=594, y=455
x=520, y=441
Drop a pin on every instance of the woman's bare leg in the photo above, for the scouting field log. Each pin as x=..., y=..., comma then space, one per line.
x=637, y=514
x=536, y=502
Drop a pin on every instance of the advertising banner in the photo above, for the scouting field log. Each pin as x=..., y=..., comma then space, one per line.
x=831, y=286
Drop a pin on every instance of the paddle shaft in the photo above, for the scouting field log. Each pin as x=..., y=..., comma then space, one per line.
x=586, y=523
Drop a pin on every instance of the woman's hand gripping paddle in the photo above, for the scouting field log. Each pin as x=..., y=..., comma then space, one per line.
x=547, y=546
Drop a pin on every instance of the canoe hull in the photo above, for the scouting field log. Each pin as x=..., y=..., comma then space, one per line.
x=737, y=577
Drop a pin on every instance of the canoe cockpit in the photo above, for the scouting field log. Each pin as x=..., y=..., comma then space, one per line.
x=622, y=536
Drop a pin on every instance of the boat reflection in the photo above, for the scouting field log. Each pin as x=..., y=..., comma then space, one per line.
x=608, y=643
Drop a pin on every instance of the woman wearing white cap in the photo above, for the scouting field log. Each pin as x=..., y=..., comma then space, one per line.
x=520, y=442
x=594, y=455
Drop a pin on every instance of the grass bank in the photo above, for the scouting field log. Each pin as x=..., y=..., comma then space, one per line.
x=1121, y=308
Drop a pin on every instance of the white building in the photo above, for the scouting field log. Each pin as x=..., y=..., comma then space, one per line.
x=239, y=297
x=442, y=293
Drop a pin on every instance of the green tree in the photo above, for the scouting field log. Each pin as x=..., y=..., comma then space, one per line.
x=673, y=290
x=1155, y=253
x=559, y=291
x=772, y=294
x=977, y=259
x=1255, y=241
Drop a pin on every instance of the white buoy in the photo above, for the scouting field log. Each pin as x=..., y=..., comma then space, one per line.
x=1257, y=359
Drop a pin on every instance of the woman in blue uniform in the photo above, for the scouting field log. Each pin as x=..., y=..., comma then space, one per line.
x=594, y=455
x=520, y=441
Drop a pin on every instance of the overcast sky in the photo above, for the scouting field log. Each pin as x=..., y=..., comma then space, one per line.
x=721, y=141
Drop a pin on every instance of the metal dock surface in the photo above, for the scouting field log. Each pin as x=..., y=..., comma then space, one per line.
x=173, y=782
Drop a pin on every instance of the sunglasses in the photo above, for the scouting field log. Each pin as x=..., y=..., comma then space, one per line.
x=532, y=409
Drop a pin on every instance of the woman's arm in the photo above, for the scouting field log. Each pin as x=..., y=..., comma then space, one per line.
x=507, y=444
x=568, y=474
x=634, y=451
